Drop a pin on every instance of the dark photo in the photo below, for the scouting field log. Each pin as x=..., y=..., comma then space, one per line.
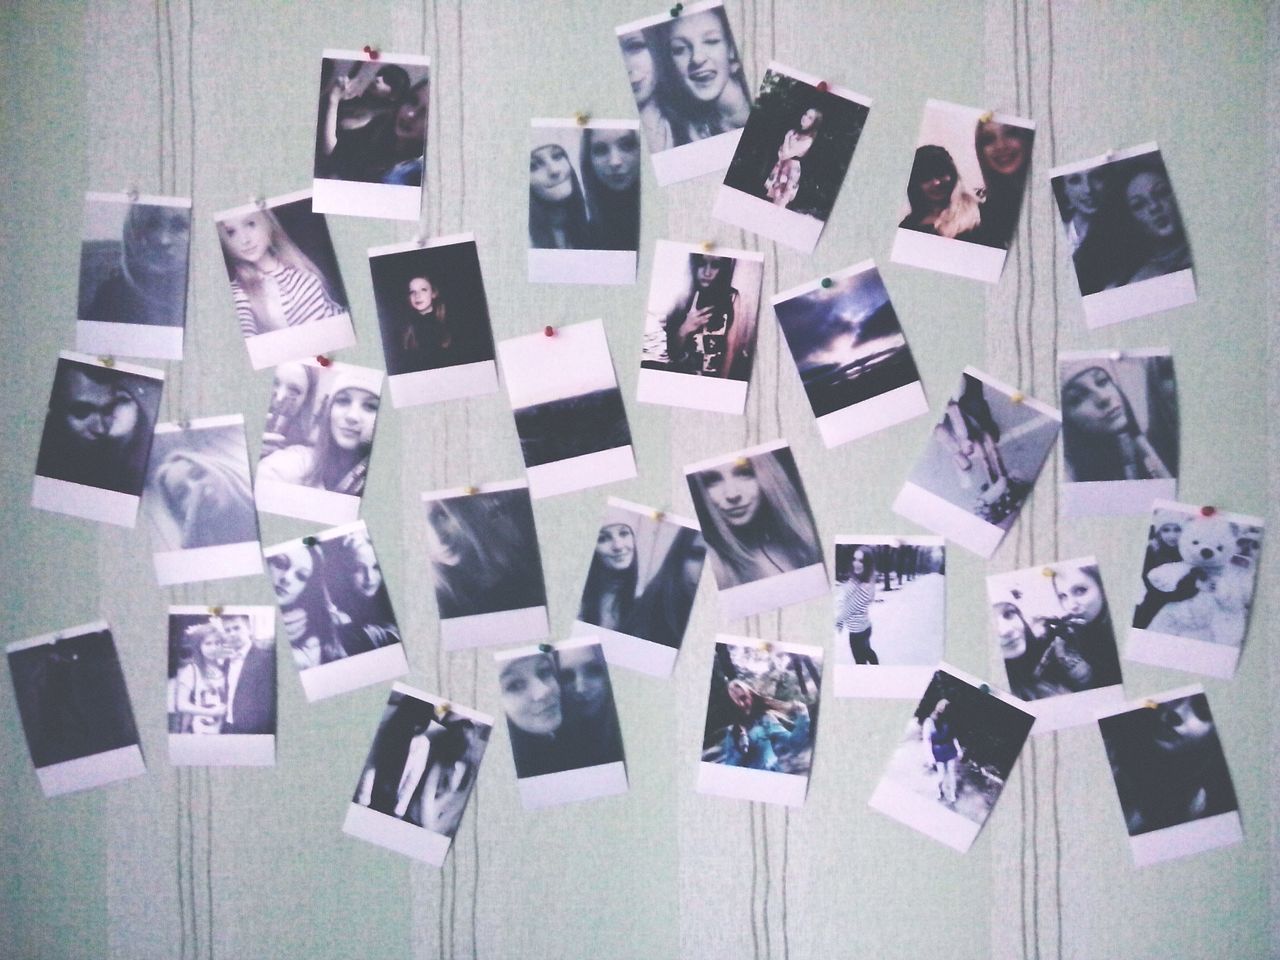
x=559, y=708
x=572, y=426
x=99, y=426
x=797, y=146
x=1168, y=764
x=71, y=697
x=483, y=550
x=133, y=261
x=371, y=122
x=423, y=764
x=431, y=308
x=222, y=674
x=281, y=265
x=847, y=342
x=584, y=187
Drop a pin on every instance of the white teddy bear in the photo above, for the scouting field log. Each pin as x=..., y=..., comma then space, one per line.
x=1219, y=611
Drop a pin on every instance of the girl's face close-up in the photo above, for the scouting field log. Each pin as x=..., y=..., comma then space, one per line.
x=530, y=693
x=859, y=564
x=1080, y=595
x=161, y=235
x=421, y=294
x=444, y=538
x=1084, y=190
x=809, y=119
x=734, y=492
x=1092, y=403
x=99, y=413
x=290, y=572
x=1169, y=534
x=248, y=237
x=1003, y=149
x=365, y=570
x=288, y=389
x=187, y=481
x=1150, y=200
x=1011, y=630
x=615, y=157
x=550, y=174
x=706, y=271
x=740, y=694
x=584, y=680
x=352, y=416
x=640, y=69
x=702, y=55
x=411, y=116
x=1181, y=727
x=616, y=546
x=936, y=187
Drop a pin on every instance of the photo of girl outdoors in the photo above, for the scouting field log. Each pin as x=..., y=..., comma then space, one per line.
x=889, y=601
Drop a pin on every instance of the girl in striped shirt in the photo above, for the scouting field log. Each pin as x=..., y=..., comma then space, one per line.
x=274, y=284
x=853, y=613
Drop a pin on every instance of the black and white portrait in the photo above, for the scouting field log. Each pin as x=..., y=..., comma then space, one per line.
x=851, y=354
x=371, y=133
x=980, y=463
x=966, y=185
x=75, y=709
x=1199, y=573
x=1123, y=228
x=485, y=565
x=640, y=585
x=434, y=317
x=1171, y=777
x=1053, y=626
x=762, y=713
x=700, y=321
x=97, y=433
x=335, y=610
x=198, y=497
x=889, y=613
x=420, y=772
x=568, y=409
x=133, y=275
x=1119, y=430
x=792, y=158
x=953, y=760
x=690, y=89
x=288, y=294
x=563, y=723
x=317, y=440
x=756, y=519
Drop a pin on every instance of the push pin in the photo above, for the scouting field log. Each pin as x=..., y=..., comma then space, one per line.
x=323, y=360
x=371, y=52
x=184, y=425
x=675, y=11
x=548, y=331
x=420, y=239
x=545, y=647
x=309, y=541
x=742, y=462
x=895, y=542
x=1046, y=572
x=985, y=117
x=1017, y=396
x=259, y=201
x=657, y=515
x=766, y=646
x=984, y=688
x=706, y=246
x=822, y=86
x=107, y=361
x=1109, y=156
x=215, y=611
x=470, y=491
x=442, y=709
x=1150, y=704
x=580, y=118
x=826, y=283
x=132, y=194
x=1116, y=356
x=1207, y=511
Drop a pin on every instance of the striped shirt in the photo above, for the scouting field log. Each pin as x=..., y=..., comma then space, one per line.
x=298, y=295
x=855, y=601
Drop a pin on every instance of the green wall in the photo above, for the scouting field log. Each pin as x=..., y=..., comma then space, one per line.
x=216, y=100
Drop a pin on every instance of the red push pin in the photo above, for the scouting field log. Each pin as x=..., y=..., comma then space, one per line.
x=822, y=86
x=548, y=331
x=323, y=360
x=1208, y=511
x=371, y=52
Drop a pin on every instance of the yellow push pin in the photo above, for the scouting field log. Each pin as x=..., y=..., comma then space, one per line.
x=580, y=118
x=706, y=246
x=985, y=117
x=1017, y=396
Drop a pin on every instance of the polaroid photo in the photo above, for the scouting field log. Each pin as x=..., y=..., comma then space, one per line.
x=568, y=409
x=371, y=133
x=436, y=337
x=1119, y=431
x=1053, y=628
x=1125, y=234
x=485, y=565
x=584, y=201
x=1198, y=579
x=197, y=503
x=97, y=438
x=563, y=723
x=792, y=157
x=222, y=686
x=640, y=586
x=419, y=775
x=756, y=519
x=134, y=259
x=953, y=759
x=889, y=614
x=288, y=293
x=980, y=463
x=336, y=611
x=965, y=191
x=75, y=709
x=851, y=354
x=317, y=440
x=691, y=92
x=762, y=710
x=1171, y=776
x=700, y=327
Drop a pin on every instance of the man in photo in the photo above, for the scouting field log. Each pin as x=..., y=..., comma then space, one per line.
x=149, y=284
x=251, y=678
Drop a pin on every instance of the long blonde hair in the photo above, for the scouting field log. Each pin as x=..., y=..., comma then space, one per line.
x=249, y=277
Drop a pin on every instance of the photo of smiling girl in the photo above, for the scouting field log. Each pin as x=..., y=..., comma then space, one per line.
x=584, y=201
x=322, y=478
x=288, y=293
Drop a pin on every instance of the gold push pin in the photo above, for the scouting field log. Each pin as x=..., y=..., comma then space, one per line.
x=706, y=246
x=581, y=117
x=1017, y=396
x=985, y=117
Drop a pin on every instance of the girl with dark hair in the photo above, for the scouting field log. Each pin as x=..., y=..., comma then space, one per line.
x=1004, y=156
x=388, y=148
x=662, y=612
x=1101, y=436
x=651, y=102
x=783, y=182
x=610, y=591
x=557, y=207
x=1022, y=649
x=291, y=417
x=970, y=433
x=359, y=603
x=704, y=334
x=853, y=616
x=945, y=753
x=940, y=204
x=297, y=579
x=610, y=163
x=1082, y=647
x=706, y=77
